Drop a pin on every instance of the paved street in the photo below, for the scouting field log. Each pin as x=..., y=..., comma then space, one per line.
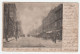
x=32, y=42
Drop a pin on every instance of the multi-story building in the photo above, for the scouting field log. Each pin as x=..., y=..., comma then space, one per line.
x=52, y=24
x=10, y=21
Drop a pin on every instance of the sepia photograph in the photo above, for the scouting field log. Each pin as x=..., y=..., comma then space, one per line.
x=34, y=25
x=31, y=25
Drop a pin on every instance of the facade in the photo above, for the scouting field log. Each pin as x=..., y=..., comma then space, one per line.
x=10, y=21
x=52, y=24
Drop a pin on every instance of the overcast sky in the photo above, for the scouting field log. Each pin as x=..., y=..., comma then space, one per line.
x=31, y=14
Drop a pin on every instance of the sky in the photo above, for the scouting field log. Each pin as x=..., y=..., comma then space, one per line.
x=32, y=14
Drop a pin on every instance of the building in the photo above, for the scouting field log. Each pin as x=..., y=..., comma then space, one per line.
x=10, y=21
x=52, y=24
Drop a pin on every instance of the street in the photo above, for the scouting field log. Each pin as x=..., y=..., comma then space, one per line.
x=23, y=42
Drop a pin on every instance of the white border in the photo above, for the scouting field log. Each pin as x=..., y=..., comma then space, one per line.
x=1, y=1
